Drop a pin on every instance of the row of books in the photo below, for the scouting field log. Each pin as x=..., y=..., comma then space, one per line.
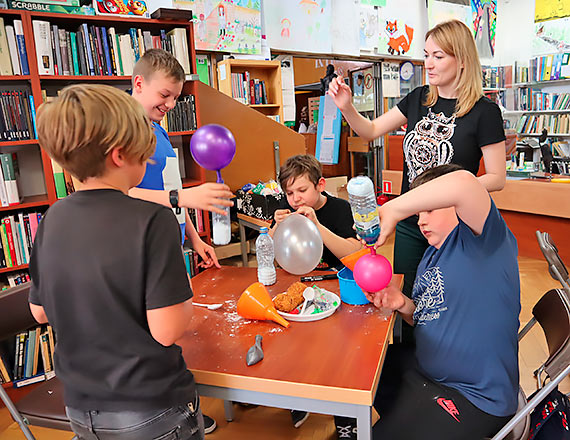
x=549, y=67
x=191, y=259
x=182, y=117
x=17, y=233
x=554, y=124
x=17, y=115
x=497, y=77
x=527, y=98
x=560, y=149
x=248, y=90
x=98, y=50
x=33, y=357
x=15, y=279
x=13, y=54
x=197, y=218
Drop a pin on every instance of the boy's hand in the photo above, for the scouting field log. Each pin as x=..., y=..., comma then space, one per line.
x=280, y=215
x=388, y=298
x=206, y=197
x=388, y=222
x=308, y=212
x=207, y=254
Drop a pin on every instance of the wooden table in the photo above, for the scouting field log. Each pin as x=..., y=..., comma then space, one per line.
x=331, y=366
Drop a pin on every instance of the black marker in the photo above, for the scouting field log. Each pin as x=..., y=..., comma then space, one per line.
x=329, y=276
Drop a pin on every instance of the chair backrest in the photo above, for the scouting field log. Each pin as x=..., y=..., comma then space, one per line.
x=552, y=312
x=555, y=263
x=15, y=314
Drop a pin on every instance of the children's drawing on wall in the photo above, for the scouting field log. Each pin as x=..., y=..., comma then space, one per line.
x=285, y=25
x=551, y=36
x=440, y=11
x=484, y=26
x=304, y=25
x=399, y=40
x=368, y=28
x=551, y=9
x=226, y=25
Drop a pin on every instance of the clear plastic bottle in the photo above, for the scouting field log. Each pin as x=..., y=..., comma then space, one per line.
x=364, y=208
x=265, y=255
x=221, y=226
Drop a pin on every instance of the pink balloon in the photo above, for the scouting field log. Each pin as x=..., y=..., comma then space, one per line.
x=372, y=272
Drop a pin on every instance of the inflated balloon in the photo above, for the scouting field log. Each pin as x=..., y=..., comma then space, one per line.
x=213, y=147
x=372, y=272
x=298, y=244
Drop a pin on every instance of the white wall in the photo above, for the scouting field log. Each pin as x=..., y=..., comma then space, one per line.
x=514, y=32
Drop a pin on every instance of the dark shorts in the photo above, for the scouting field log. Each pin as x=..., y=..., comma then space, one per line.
x=182, y=422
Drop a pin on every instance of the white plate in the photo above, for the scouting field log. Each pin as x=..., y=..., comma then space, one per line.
x=307, y=316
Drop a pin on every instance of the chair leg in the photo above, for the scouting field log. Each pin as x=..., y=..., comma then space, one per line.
x=15, y=414
x=531, y=405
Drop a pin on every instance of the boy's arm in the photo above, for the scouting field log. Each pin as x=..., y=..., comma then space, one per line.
x=168, y=324
x=393, y=299
x=38, y=313
x=205, y=196
x=459, y=189
x=206, y=252
x=339, y=246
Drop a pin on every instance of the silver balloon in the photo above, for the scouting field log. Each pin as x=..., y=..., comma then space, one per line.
x=298, y=244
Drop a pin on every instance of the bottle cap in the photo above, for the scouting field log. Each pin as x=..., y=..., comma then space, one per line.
x=263, y=230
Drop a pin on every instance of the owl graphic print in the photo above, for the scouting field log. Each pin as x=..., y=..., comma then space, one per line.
x=436, y=135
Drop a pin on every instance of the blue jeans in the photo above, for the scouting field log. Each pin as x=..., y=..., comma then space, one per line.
x=183, y=422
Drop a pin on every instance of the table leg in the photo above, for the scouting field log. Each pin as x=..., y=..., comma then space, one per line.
x=229, y=410
x=364, y=423
x=242, y=244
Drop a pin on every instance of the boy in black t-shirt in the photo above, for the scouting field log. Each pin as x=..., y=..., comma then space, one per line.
x=302, y=180
x=109, y=276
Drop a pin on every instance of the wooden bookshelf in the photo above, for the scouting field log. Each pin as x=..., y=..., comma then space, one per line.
x=267, y=71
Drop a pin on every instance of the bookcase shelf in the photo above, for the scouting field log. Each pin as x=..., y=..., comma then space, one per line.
x=543, y=83
x=28, y=202
x=14, y=268
x=181, y=133
x=17, y=143
x=15, y=77
x=76, y=78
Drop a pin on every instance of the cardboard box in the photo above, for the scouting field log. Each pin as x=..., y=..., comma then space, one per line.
x=258, y=206
x=334, y=185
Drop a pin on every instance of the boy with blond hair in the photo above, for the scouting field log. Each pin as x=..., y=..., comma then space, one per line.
x=157, y=83
x=109, y=276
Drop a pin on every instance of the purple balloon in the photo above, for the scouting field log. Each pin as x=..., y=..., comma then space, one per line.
x=213, y=146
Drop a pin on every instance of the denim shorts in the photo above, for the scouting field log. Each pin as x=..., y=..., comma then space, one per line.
x=182, y=422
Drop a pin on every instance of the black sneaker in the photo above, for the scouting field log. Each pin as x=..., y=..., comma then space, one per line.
x=298, y=417
x=209, y=424
x=345, y=427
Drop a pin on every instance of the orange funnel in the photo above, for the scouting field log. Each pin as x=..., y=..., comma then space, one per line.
x=351, y=259
x=255, y=303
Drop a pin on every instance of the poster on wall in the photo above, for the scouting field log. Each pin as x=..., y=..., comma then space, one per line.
x=368, y=28
x=484, y=26
x=225, y=25
x=552, y=36
x=298, y=25
x=399, y=30
x=440, y=11
x=551, y=9
x=363, y=90
x=344, y=27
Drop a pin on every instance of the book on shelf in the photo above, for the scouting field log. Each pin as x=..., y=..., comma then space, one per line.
x=5, y=61
x=10, y=177
x=17, y=233
x=21, y=44
x=43, y=40
x=4, y=374
x=13, y=48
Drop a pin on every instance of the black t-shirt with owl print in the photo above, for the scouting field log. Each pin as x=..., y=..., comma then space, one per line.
x=435, y=136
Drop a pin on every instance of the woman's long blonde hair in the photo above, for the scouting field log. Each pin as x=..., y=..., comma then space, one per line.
x=455, y=39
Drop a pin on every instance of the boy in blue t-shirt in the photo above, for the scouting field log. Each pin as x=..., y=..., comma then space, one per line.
x=157, y=82
x=463, y=380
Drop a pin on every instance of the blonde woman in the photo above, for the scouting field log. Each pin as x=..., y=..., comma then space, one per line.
x=449, y=121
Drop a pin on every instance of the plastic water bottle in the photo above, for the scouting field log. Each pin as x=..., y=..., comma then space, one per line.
x=364, y=208
x=221, y=225
x=265, y=255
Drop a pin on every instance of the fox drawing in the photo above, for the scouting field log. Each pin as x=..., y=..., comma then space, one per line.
x=400, y=43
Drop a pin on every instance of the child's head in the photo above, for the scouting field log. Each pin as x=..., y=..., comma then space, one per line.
x=301, y=178
x=456, y=40
x=437, y=224
x=86, y=122
x=157, y=82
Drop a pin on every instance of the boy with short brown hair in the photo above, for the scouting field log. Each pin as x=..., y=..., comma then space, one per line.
x=301, y=179
x=109, y=276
